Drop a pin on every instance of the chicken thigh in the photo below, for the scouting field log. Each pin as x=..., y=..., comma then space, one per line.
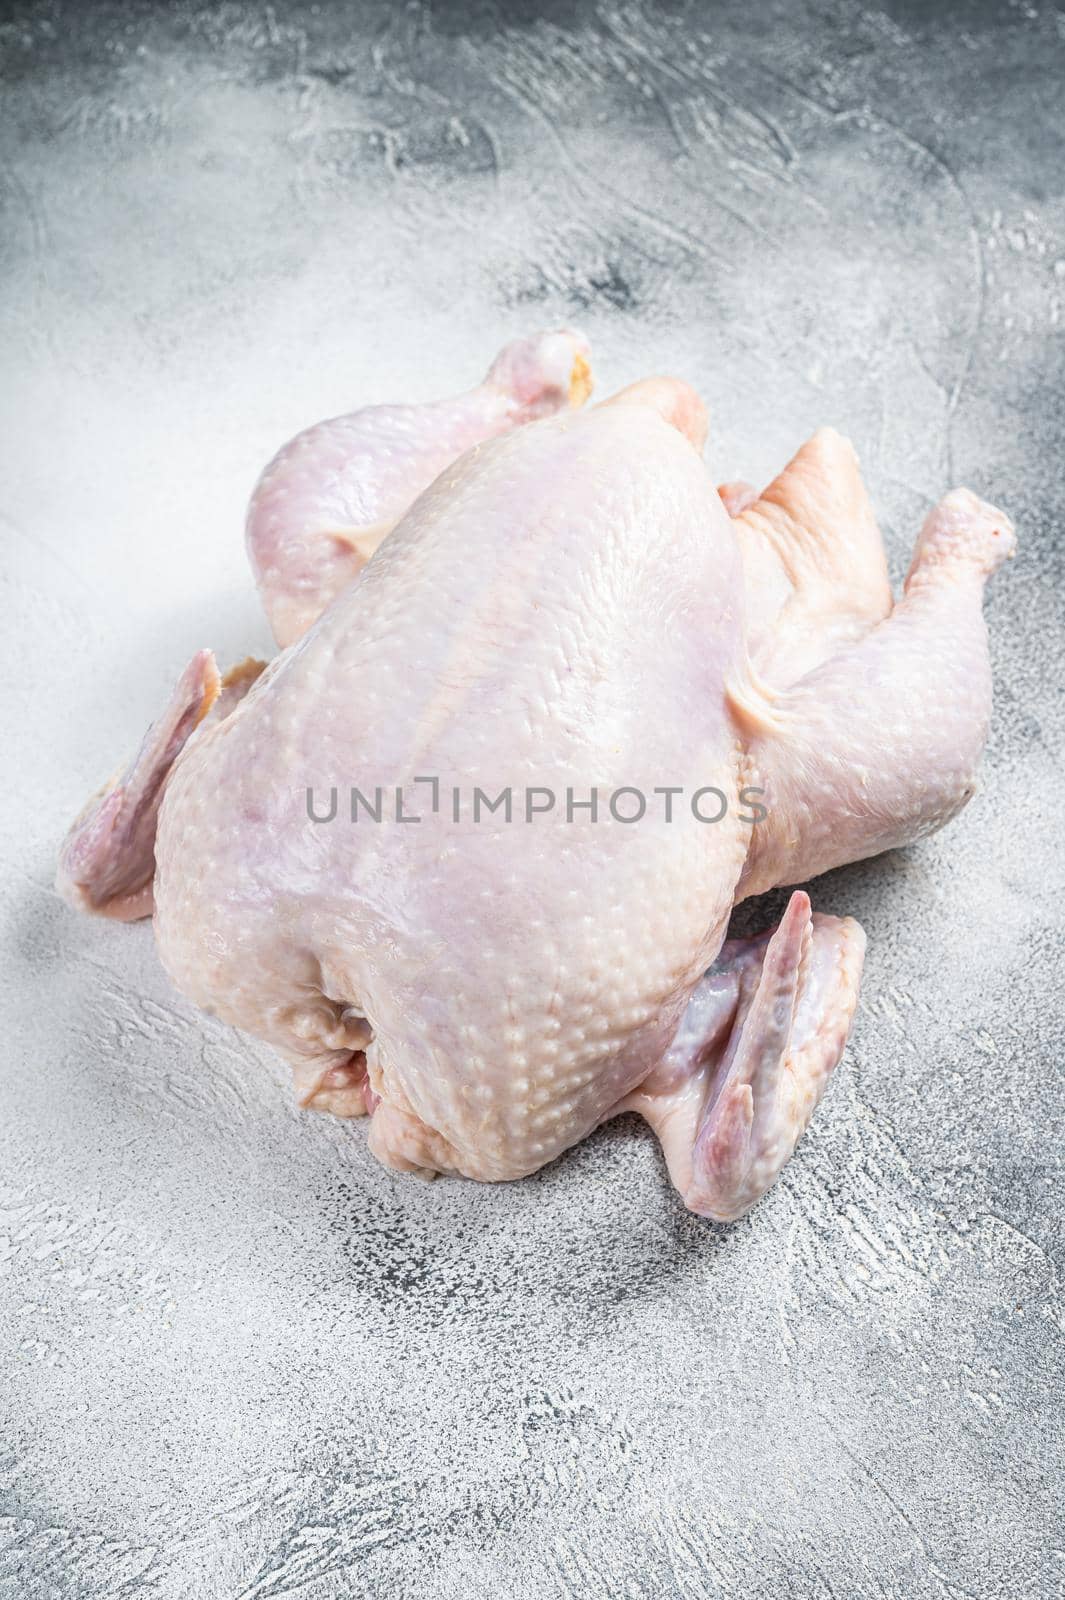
x=330, y=495
x=466, y=854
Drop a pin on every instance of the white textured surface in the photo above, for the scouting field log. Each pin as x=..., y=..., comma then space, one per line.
x=239, y=1358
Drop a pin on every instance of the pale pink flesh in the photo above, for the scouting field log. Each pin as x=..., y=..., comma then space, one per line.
x=762, y=1033
x=737, y=496
x=108, y=859
x=878, y=744
x=572, y=604
x=814, y=566
x=331, y=495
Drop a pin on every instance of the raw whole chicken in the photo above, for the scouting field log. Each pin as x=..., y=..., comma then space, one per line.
x=466, y=852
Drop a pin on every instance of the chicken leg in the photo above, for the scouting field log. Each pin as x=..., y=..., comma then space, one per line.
x=879, y=744
x=329, y=496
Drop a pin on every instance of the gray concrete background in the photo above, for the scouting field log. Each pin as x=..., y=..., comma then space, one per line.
x=239, y=1359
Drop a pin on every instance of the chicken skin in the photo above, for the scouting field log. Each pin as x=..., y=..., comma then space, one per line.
x=329, y=497
x=466, y=853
